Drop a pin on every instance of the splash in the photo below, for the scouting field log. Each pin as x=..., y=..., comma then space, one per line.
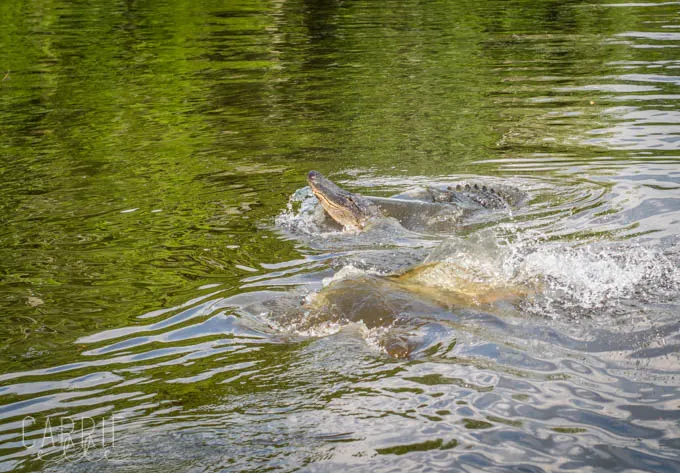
x=303, y=215
x=597, y=279
x=559, y=278
x=350, y=272
x=544, y=273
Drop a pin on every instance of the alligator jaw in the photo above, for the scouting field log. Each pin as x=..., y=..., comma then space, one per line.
x=349, y=210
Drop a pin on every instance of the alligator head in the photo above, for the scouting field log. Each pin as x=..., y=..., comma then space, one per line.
x=347, y=209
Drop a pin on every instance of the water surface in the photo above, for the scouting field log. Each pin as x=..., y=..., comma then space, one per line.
x=161, y=255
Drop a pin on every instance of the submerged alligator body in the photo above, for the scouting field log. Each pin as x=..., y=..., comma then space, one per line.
x=356, y=211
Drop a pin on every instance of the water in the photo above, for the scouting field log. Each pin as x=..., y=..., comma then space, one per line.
x=164, y=310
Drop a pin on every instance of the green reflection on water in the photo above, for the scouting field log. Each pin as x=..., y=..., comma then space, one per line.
x=143, y=144
x=204, y=118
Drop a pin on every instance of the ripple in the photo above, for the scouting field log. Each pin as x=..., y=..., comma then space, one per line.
x=202, y=330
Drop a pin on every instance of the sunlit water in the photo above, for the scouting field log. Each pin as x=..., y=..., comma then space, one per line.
x=173, y=298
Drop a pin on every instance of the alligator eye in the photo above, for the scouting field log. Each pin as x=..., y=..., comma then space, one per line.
x=476, y=187
x=484, y=188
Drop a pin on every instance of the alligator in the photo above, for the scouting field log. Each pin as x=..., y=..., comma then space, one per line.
x=355, y=211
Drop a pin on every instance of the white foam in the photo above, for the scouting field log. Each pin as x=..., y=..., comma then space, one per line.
x=374, y=337
x=562, y=275
x=349, y=272
x=302, y=214
x=597, y=277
